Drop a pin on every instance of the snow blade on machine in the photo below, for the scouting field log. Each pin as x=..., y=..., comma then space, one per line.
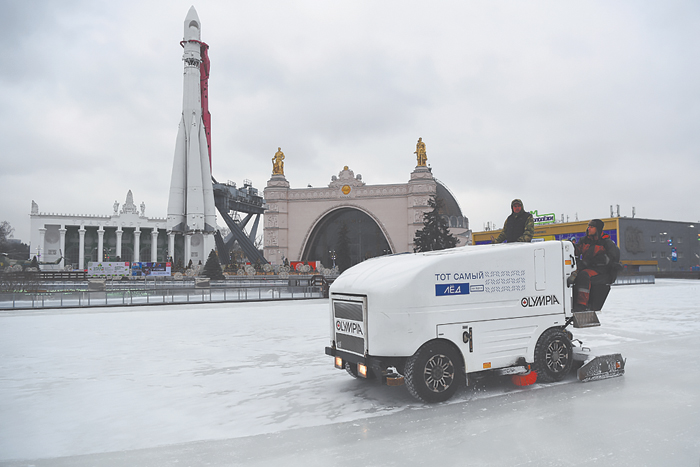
x=602, y=367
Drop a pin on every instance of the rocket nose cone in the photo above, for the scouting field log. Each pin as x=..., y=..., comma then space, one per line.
x=192, y=25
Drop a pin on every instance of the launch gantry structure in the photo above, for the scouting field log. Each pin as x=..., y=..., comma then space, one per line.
x=230, y=199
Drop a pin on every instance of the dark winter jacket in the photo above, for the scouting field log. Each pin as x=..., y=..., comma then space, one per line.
x=517, y=227
x=600, y=255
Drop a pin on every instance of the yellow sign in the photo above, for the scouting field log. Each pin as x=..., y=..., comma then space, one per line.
x=346, y=189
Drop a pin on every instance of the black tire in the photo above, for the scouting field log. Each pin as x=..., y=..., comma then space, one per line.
x=554, y=356
x=433, y=373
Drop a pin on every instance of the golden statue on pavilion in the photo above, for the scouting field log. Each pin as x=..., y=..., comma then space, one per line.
x=420, y=153
x=277, y=163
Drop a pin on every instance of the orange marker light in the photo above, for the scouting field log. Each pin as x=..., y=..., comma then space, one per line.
x=362, y=370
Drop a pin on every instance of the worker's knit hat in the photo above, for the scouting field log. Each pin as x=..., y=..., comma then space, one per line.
x=598, y=224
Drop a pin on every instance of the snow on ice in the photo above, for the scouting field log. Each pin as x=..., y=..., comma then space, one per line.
x=249, y=384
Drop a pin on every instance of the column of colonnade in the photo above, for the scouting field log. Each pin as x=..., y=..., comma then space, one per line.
x=81, y=246
x=137, y=245
x=62, y=252
x=171, y=245
x=42, y=239
x=154, y=245
x=100, y=244
x=119, y=241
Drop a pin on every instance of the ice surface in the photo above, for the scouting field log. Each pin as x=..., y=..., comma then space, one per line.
x=249, y=384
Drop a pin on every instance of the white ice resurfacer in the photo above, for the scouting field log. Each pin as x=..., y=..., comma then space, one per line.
x=433, y=320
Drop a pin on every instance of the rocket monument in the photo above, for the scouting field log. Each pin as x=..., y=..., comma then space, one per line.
x=191, y=209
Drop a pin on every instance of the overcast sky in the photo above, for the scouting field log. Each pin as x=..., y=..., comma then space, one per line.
x=571, y=106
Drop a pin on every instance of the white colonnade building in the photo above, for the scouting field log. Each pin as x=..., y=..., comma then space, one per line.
x=126, y=234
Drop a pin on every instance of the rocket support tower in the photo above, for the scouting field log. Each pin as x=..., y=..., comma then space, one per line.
x=191, y=209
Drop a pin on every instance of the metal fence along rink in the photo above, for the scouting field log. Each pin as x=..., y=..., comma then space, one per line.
x=60, y=294
x=83, y=298
x=627, y=280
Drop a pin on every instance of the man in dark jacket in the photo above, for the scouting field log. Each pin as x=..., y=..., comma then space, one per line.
x=519, y=226
x=597, y=259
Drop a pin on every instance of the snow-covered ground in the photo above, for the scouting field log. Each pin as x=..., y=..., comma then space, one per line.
x=249, y=384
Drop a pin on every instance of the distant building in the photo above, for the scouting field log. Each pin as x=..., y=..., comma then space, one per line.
x=126, y=234
x=646, y=245
x=303, y=224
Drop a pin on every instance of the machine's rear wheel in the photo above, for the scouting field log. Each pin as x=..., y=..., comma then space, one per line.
x=433, y=373
x=554, y=356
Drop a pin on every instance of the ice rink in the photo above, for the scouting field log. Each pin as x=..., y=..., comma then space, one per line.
x=249, y=384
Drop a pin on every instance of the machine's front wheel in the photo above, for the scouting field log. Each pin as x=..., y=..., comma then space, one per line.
x=432, y=374
x=554, y=356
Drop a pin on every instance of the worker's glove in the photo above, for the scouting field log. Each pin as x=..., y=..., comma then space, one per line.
x=571, y=279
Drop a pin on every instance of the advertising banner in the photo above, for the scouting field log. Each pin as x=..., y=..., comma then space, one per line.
x=108, y=269
x=150, y=269
x=298, y=265
x=542, y=219
x=579, y=235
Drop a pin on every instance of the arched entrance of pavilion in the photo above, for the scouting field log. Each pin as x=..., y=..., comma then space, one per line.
x=365, y=237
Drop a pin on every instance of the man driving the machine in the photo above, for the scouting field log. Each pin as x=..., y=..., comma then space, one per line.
x=518, y=227
x=597, y=260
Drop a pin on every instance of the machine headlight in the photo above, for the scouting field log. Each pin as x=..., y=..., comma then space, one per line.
x=362, y=370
